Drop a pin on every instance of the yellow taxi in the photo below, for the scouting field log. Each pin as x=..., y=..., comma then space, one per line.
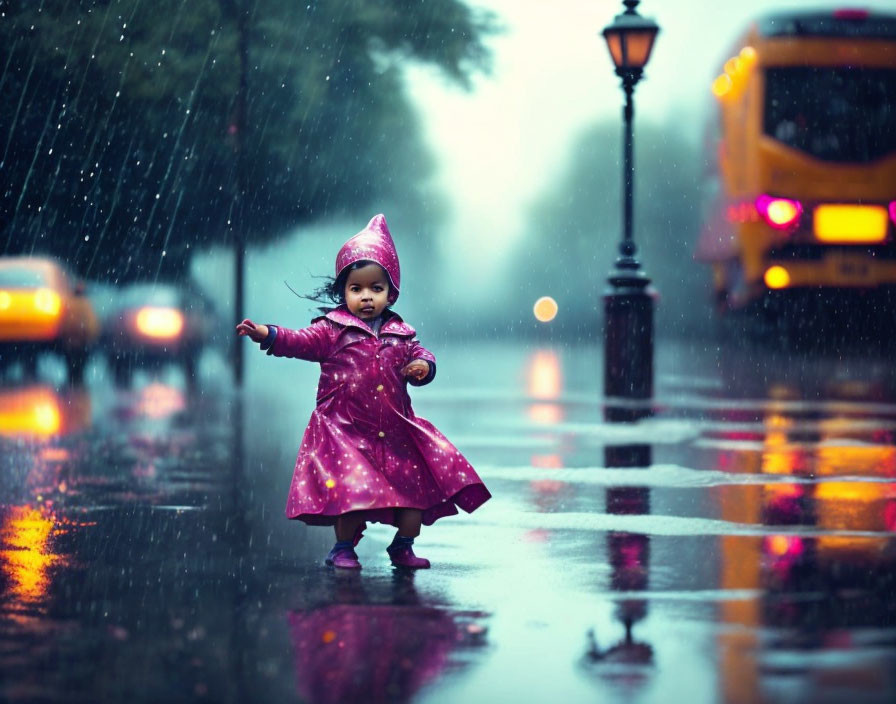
x=42, y=310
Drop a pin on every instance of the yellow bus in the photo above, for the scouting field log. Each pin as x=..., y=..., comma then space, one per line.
x=801, y=178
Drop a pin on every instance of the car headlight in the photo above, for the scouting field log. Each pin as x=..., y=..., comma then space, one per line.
x=160, y=323
x=47, y=301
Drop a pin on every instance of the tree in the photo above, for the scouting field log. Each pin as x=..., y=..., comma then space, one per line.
x=120, y=137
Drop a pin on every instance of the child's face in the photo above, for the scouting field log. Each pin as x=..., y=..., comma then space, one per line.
x=367, y=291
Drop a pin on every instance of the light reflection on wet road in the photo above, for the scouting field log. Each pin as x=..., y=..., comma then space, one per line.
x=737, y=546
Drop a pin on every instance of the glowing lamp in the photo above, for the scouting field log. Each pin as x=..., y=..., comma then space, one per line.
x=722, y=85
x=780, y=213
x=545, y=309
x=47, y=301
x=777, y=277
x=733, y=66
x=630, y=40
x=893, y=212
x=160, y=323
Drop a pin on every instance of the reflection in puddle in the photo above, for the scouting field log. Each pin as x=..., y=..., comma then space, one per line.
x=818, y=591
x=359, y=650
x=41, y=411
x=26, y=555
x=544, y=381
x=158, y=401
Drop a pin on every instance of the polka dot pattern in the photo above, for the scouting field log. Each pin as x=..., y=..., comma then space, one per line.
x=364, y=448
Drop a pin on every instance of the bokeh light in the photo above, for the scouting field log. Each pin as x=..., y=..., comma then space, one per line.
x=545, y=309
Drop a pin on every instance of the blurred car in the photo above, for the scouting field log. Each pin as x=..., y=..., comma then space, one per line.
x=41, y=309
x=157, y=323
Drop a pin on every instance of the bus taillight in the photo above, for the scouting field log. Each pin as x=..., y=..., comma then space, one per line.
x=780, y=213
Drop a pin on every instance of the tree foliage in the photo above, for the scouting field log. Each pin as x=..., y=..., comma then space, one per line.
x=122, y=149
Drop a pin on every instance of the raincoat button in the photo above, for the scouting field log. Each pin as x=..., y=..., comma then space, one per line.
x=379, y=388
x=381, y=434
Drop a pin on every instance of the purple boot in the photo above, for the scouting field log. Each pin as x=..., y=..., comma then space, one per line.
x=343, y=556
x=401, y=552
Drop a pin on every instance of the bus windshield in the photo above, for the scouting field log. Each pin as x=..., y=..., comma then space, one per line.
x=835, y=114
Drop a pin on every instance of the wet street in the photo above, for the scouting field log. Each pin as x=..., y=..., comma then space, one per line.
x=737, y=546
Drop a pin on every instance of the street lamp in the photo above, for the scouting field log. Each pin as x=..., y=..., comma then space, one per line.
x=628, y=307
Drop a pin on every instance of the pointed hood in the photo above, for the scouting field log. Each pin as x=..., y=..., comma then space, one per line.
x=373, y=243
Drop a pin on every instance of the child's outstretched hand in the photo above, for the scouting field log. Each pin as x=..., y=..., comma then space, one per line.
x=256, y=333
x=418, y=369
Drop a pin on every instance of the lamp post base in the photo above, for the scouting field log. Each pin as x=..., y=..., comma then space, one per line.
x=628, y=340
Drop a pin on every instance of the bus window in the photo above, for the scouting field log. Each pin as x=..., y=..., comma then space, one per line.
x=834, y=114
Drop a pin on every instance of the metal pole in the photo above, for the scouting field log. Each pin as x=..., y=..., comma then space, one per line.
x=239, y=244
x=628, y=248
x=628, y=307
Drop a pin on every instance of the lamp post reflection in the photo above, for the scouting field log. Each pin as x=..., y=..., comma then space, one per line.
x=629, y=557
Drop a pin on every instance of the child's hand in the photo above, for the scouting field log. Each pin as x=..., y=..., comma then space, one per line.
x=256, y=333
x=419, y=369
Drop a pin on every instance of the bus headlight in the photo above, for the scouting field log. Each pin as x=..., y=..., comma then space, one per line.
x=780, y=213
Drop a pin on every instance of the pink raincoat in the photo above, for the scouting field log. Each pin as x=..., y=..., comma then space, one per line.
x=364, y=448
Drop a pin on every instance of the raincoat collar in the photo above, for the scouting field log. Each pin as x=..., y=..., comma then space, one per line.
x=392, y=322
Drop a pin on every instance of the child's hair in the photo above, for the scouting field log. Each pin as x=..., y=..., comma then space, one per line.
x=333, y=289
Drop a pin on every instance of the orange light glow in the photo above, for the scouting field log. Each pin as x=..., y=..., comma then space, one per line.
x=545, y=309
x=27, y=532
x=547, y=461
x=780, y=544
x=162, y=323
x=544, y=375
x=27, y=412
x=864, y=492
x=733, y=66
x=47, y=302
x=330, y=483
x=782, y=212
x=545, y=413
x=777, y=277
x=748, y=55
x=871, y=460
x=26, y=314
x=780, y=490
x=722, y=85
x=850, y=223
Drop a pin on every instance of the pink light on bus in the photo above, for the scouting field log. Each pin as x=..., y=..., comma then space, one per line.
x=851, y=13
x=780, y=213
x=893, y=212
